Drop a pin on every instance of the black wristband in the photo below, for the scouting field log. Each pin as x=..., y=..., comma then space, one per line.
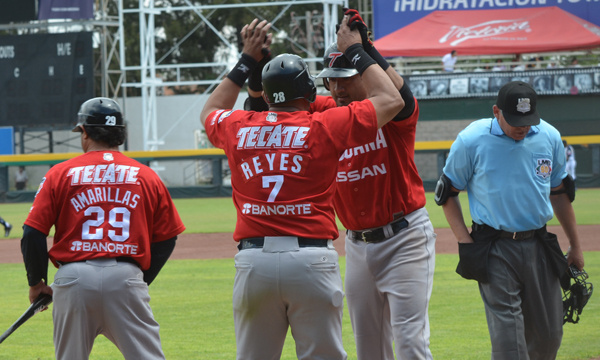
x=255, y=104
x=242, y=70
x=373, y=53
x=358, y=57
x=255, y=77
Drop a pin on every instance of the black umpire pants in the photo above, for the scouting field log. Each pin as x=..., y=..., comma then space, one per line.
x=522, y=298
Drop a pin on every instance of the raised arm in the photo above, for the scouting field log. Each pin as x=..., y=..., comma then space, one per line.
x=225, y=95
x=380, y=89
x=356, y=22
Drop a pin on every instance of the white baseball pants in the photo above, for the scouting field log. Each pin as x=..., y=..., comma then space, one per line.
x=388, y=287
x=105, y=297
x=283, y=285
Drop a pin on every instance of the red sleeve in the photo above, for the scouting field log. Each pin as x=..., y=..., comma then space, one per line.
x=167, y=222
x=216, y=129
x=43, y=212
x=352, y=125
x=322, y=103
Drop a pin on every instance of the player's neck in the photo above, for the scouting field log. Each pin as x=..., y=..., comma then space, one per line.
x=291, y=106
x=100, y=147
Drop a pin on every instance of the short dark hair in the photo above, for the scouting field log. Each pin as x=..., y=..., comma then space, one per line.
x=111, y=136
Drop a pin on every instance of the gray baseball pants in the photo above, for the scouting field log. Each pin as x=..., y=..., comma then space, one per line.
x=388, y=287
x=283, y=285
x=523, y=302
x=105, y=297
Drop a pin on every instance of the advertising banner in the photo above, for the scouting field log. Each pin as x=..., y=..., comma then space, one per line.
x=572, y=81
x=391, y=15
x=66, y=9
x=481, y=32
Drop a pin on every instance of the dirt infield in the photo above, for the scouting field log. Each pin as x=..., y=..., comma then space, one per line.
x=222, y=246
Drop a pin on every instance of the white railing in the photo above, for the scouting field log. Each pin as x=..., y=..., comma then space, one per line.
x=469, y=63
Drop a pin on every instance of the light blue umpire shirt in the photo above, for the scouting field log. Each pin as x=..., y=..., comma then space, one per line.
x=508, y=181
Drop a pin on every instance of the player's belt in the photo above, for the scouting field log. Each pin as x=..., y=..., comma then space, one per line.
x=518, y=235
x=259, y=242
x=377, y=235
x=119, y=259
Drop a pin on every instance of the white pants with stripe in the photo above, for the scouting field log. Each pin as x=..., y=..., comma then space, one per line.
x=105, y=297
x=388, y=287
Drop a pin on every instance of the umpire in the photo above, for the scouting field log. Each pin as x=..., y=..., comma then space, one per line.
x=513, y=167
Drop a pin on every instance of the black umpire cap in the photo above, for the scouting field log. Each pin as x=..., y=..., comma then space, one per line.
x=99, y=111
x=518, y=102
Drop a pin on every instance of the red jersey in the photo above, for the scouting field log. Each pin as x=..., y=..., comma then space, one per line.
x=378, y=178
x=103, y=204
x=283, y=165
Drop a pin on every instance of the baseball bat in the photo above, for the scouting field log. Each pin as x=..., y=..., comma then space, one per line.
x=36, y=306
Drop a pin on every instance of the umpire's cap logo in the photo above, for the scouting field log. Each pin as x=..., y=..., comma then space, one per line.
x=524, y=105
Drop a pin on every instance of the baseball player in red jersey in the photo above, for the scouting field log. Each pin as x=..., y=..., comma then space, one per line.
x=390, y=241
x=115, y=227
x=283, y=176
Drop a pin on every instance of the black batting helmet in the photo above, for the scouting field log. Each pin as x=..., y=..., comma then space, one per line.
x=286, y=78
x=99, y=111
x=336, y=65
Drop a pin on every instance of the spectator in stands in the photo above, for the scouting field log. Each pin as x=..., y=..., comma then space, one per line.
x=575, y=62
x=499, y=66
x=520, y=66
x=21, y=178
x=449, y=60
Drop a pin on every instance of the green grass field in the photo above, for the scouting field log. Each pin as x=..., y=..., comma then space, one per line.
x=191, y=299
x=213, y=215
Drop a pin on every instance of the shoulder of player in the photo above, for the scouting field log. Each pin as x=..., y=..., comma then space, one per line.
x=218, y=116
x=322, y=103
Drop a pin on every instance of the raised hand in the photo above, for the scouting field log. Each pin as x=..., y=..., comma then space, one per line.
x=255, y=37
x=346, y=36
x=355, y=21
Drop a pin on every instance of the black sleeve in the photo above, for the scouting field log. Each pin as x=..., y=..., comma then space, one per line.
x=160, y=253
x=409, y=103
x=35, y=255
x=255, y=104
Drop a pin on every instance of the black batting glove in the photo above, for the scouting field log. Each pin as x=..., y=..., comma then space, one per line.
x=356, y=22
x=255, y=78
